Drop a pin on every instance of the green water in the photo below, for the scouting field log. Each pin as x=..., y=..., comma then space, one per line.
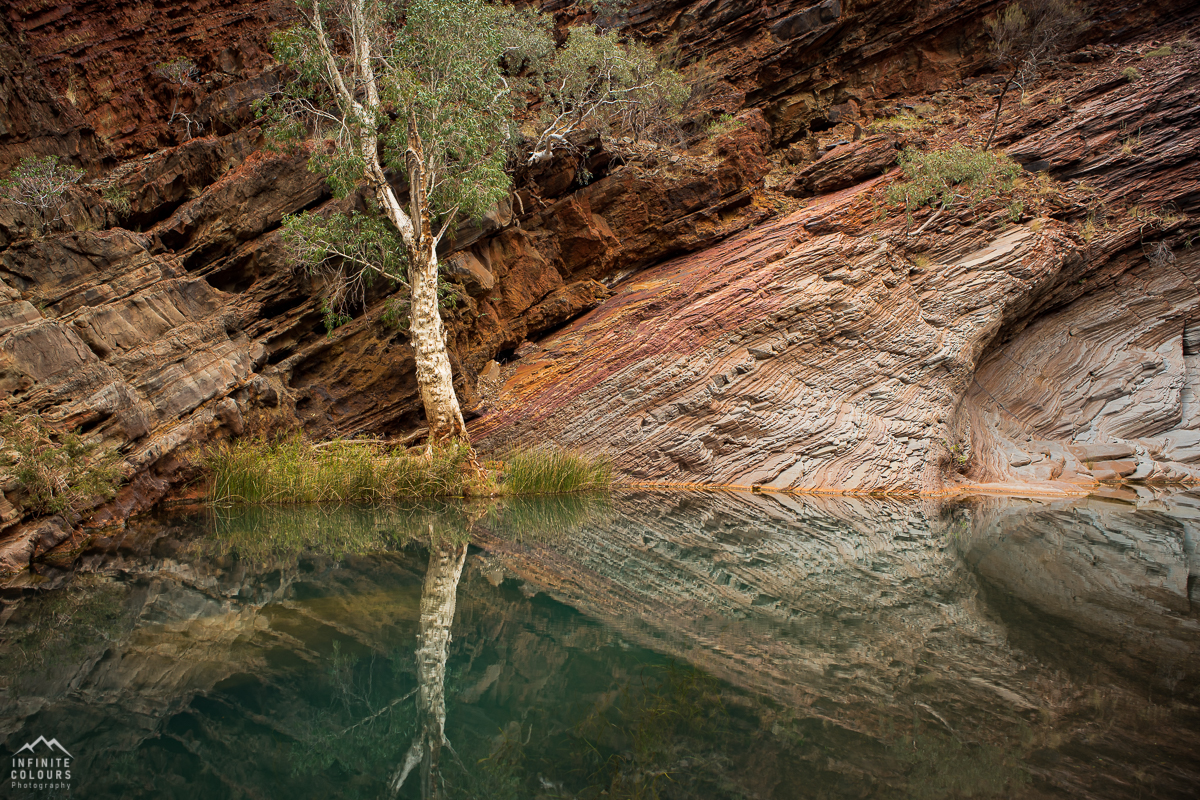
x=702, y=645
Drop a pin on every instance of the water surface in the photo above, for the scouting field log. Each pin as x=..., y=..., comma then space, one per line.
x=690, y=645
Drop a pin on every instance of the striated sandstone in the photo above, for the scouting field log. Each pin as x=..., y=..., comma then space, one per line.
x=826, y=351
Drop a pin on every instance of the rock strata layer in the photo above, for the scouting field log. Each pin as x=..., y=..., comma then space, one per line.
x=829, y=350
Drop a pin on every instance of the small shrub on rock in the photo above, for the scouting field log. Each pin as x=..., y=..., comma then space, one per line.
x=39, y=184
x=959, y=175
x=117, y=197
x=181, y=73
x=57, y=472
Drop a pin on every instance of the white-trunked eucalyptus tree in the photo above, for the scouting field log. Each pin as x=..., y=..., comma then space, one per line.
x=418, y=87
x=430, y=90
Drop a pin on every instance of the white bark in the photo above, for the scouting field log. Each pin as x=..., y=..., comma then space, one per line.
x=435, y=378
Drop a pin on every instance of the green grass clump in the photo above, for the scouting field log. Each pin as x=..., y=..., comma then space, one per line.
x=297, y=471
x=118, y=198
x=723, y=125
x=554, y=471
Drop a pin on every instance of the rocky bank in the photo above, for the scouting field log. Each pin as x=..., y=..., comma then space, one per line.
x=742, y=312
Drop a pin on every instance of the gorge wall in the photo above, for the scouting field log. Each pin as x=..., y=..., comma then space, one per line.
x=749, y=315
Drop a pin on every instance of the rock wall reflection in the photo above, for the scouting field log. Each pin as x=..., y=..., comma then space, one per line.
x=760, y=645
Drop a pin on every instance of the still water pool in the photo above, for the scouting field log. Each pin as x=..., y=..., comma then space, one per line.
x=640, y=645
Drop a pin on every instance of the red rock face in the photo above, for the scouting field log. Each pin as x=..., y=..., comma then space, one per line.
x=97, y=59
x=816, y=353
x=795, y=347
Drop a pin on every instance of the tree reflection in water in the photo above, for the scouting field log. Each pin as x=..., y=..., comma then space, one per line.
x=438, y=596
x=671, y=646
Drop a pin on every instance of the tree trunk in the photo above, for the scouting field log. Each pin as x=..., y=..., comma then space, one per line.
x=435, y=379
x=434, y=376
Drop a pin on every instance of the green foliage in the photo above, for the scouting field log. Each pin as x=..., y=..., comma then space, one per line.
x=1131, y=74
x=598, y=79
x=944, y=178
x=332, y=317
x=39, y=184
x=58, y=472
x=427, y=88
x=117, y=197
x=439, y=71
x=723, y=125
x=350, y=252
x=1159, y=52
x=554, y=471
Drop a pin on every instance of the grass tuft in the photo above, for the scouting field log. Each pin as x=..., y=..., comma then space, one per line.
x=554, y=471
x=295, y=471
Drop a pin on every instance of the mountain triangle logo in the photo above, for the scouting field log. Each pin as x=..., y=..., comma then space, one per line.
x=41, y=764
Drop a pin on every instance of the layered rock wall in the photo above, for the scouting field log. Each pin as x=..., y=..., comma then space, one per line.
x=824, y=349
x=834, y=350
